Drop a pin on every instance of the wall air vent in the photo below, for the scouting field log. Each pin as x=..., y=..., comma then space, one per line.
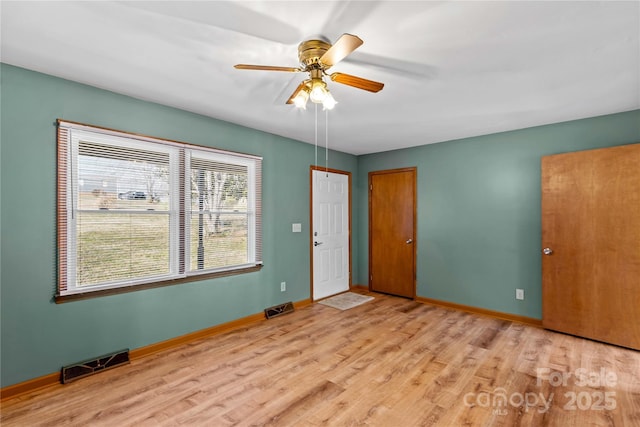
x=92, y=366
x=277, y=310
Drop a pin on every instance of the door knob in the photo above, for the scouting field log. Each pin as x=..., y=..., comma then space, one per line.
x=409, y=241
x=547, y=251
x=317, y=243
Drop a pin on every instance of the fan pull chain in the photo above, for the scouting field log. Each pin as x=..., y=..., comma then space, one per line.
x=326, y=146
x=316, y=137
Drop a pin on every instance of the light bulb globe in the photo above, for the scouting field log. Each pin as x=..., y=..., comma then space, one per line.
x=300, y=100
x=318, y=91
x=329, y=102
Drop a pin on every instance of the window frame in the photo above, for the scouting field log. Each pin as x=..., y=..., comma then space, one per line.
x=179, y=210
x=250, y=210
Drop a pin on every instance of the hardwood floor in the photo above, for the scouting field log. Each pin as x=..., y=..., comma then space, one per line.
x=389, y=362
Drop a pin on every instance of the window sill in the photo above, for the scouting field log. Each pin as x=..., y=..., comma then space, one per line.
x=58, y=299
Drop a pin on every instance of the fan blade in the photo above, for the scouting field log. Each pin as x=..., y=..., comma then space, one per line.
x=395, y=66
x=359, y=82
x=346, y=15
x=224, y=14
x=266, y=68
x=295, y=92
x=346, y=44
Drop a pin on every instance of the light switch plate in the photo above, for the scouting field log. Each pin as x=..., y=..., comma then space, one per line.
x=296, y=227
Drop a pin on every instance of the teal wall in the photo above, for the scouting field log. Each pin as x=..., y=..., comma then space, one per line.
x=478, y=222
x=478, y=225
x=39, y=336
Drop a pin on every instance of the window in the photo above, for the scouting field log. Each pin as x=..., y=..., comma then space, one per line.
x=135, y=210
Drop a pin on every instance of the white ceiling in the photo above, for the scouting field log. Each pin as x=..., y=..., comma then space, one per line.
x=451, y=69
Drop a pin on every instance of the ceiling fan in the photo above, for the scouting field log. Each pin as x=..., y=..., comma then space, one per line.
x=316, y=57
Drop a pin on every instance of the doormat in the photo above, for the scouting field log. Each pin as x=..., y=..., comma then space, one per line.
x=346, y=301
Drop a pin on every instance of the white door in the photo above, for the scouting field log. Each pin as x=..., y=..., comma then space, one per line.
x=330, y=233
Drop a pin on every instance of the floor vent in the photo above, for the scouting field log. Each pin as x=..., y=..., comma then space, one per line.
x=277, y=310
x=92, y=366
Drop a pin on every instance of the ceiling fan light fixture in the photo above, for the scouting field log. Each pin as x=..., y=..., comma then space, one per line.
x=329, y=101
x=316, y=56
x=318, y=90
x=301, y=98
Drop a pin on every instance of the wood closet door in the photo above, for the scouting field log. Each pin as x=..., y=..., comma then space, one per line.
x=392, y=235
x=591, y=236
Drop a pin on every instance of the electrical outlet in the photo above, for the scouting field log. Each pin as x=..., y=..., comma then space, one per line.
x=519, y=293
x=283, y=286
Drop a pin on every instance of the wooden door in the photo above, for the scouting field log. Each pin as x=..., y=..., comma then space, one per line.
x=392, y=218
x=591, y=241
x=330, y=227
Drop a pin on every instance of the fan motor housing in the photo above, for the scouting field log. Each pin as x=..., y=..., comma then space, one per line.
x=310, y=51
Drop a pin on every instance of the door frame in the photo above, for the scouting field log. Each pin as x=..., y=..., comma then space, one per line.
x=414, y=170
x=311, y=237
